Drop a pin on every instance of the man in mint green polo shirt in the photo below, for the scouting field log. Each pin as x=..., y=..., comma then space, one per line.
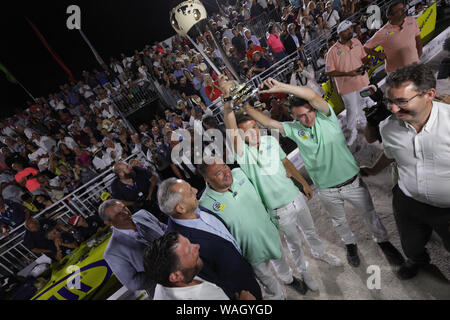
x=329, y=163
x=231, y=196
x=266, y=166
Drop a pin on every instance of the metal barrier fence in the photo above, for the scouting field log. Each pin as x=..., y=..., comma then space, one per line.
x=137, y=96
x=14, y=256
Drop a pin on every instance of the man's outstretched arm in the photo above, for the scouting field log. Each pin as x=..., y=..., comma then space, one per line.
x=313, y=98
x=229, y=117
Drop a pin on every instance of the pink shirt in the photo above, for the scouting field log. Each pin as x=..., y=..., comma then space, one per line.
x=31, y=183
x=341, y=58
x=275, y=43
x=398, y=43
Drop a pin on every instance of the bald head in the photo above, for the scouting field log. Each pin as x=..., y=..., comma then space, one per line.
x=124, y=171
x=119, y=167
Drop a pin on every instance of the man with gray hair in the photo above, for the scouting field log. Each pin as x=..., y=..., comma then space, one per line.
x=125, y=251
x=293, y=41
x=223, y=263
x=249, y=37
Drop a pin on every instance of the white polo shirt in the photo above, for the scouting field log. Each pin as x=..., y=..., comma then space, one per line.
x=204, y=291
x=334, y=17
x=423, y=158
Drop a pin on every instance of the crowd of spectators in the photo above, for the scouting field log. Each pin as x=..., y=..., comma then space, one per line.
x=65, y=140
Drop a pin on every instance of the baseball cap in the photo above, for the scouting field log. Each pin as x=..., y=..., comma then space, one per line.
x=344, y=25
x=105, y=196
x=74, y=220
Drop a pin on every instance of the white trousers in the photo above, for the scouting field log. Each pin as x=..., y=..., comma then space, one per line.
x=358, y=195
x=296, y=215
x=272, y=286
x=354, y=104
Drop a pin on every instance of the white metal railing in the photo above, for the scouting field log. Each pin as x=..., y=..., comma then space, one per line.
x=130, y=100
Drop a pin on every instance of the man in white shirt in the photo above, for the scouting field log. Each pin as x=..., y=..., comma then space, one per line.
x=222, y=21
x=67, y=140
x=59, y=104
x=330, y=16
x=85, y=90
x=114, y=150
x=8, y=130
x=93, y=103
x=101, y=160
x=43, y=142
x=107, y=111
x=26, y=131
x=102, y=98
x=174, y=263
x=126, y=61
x=417, y=137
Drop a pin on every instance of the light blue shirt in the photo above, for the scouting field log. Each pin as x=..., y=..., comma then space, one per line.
x=254, y=39
x=208, y=223
x=177, y=74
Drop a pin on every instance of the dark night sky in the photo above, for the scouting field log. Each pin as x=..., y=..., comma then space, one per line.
x=112, y=27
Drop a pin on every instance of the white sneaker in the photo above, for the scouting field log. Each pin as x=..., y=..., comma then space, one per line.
x=310, y=281
x=329, y=258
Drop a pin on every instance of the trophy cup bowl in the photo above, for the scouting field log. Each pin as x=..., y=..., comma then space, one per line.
x=241, y=93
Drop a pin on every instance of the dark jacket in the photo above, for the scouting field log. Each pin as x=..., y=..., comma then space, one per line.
x=222, y=263
x=289, y=43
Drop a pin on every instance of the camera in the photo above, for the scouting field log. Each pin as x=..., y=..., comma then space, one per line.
x=379, y=111
x=362, y=69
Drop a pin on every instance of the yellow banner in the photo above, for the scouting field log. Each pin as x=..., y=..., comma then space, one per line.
x=427, y=21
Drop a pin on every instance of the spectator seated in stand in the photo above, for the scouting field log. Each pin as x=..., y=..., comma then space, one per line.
x=62, y=242
x=86, y=228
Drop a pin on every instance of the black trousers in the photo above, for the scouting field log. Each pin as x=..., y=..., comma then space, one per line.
x=415, y=222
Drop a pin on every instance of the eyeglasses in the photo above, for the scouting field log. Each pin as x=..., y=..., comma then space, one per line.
x=401, y=102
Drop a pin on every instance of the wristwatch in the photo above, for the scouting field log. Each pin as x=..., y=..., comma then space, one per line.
x=227, y=99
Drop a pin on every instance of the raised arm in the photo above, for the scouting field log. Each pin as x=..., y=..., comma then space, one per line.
x=229, y=117
x=314, y=99
x=263, y=119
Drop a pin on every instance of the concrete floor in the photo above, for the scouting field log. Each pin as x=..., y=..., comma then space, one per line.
x=348, y=283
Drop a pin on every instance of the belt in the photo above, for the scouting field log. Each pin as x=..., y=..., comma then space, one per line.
x=346, y=183
x=287, y=205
